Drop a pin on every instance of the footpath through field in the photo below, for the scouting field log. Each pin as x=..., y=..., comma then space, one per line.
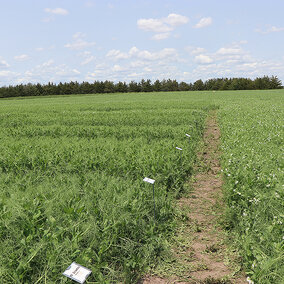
x=200, y=254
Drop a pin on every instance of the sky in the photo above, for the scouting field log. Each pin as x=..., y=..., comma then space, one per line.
x=87, y=40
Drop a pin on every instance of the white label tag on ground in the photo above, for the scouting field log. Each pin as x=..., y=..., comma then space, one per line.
x=187, y=135
x=149, y=180
x=178, y=148
x=77, y=272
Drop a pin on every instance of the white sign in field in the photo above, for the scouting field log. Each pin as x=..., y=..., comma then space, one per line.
x=152, y=181
x=178, y=148
x=77, y=272
x=187, y=135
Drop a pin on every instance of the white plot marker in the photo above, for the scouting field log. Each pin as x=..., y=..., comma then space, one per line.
x=180, y=149
x=152, y=181
x=187, y=135
x=149, y=180
x=77, y=272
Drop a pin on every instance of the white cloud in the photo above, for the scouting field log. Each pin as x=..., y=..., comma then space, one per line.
x=230, y=55
x=165, y=53
x=117, y=54
x=138, y=63
x=203, y=59
x=3, y=64
x=117, y=68
x=204, y=22
x=6, y=73
x=22, y=57
x=39, y=49
x=161, y=36
x=87, y=57
x=176, y=20
x=57, y=11
x=271, y=29
x=229, y=51
x=162, y=26
x=274, y=29
x=62, y=71
x=195, y=50
x=261, y=67
x=162, y=54
x=79, y=42
x=49, y=71
x=134, y=52
x=88, y=60
x=234, y=61
x=198, y=50
x=91, y=76
x=148, y=69
x=135, y=75
x=46, y=64
x=154, y=25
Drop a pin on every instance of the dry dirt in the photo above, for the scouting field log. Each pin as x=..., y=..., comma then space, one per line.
x=201, y=250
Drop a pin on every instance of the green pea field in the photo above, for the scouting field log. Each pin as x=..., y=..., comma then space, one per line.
x=72, y=189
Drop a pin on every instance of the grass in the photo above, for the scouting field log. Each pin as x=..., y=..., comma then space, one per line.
x=72, y=169
x=252, y=145
x=71, y=177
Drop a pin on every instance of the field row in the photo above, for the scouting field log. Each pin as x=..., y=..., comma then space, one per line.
x=72, y=186
x=252, y=146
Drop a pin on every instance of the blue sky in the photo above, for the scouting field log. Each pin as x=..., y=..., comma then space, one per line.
x=87, y=40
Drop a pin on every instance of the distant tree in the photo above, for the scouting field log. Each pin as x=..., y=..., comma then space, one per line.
x=209, y=84
x=134, y=87
x=169, y=85
x=98, y=87
x=226, y=84
x=198, y=85
x=146, y=86
x=164, y=86
x=275, y=83
x=182, y=86
x=85, y=88
x=173, y=85
x=157, y=86
x=121, y=87
x=38, y=89
x=109, y=87
x=262, y=83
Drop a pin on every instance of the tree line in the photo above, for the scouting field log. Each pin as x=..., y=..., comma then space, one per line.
x=22, y=90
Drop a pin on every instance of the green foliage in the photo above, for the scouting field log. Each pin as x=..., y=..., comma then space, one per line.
x=71, y=177
x=71, y=171
x=169, y=85
x=252, y=145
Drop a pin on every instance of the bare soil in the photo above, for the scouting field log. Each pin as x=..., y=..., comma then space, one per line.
x=200, y=254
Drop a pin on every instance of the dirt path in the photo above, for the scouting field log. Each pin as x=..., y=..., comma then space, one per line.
x=200, y=254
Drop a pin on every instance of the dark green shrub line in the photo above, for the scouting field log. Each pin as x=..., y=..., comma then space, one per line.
x=100, y=87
